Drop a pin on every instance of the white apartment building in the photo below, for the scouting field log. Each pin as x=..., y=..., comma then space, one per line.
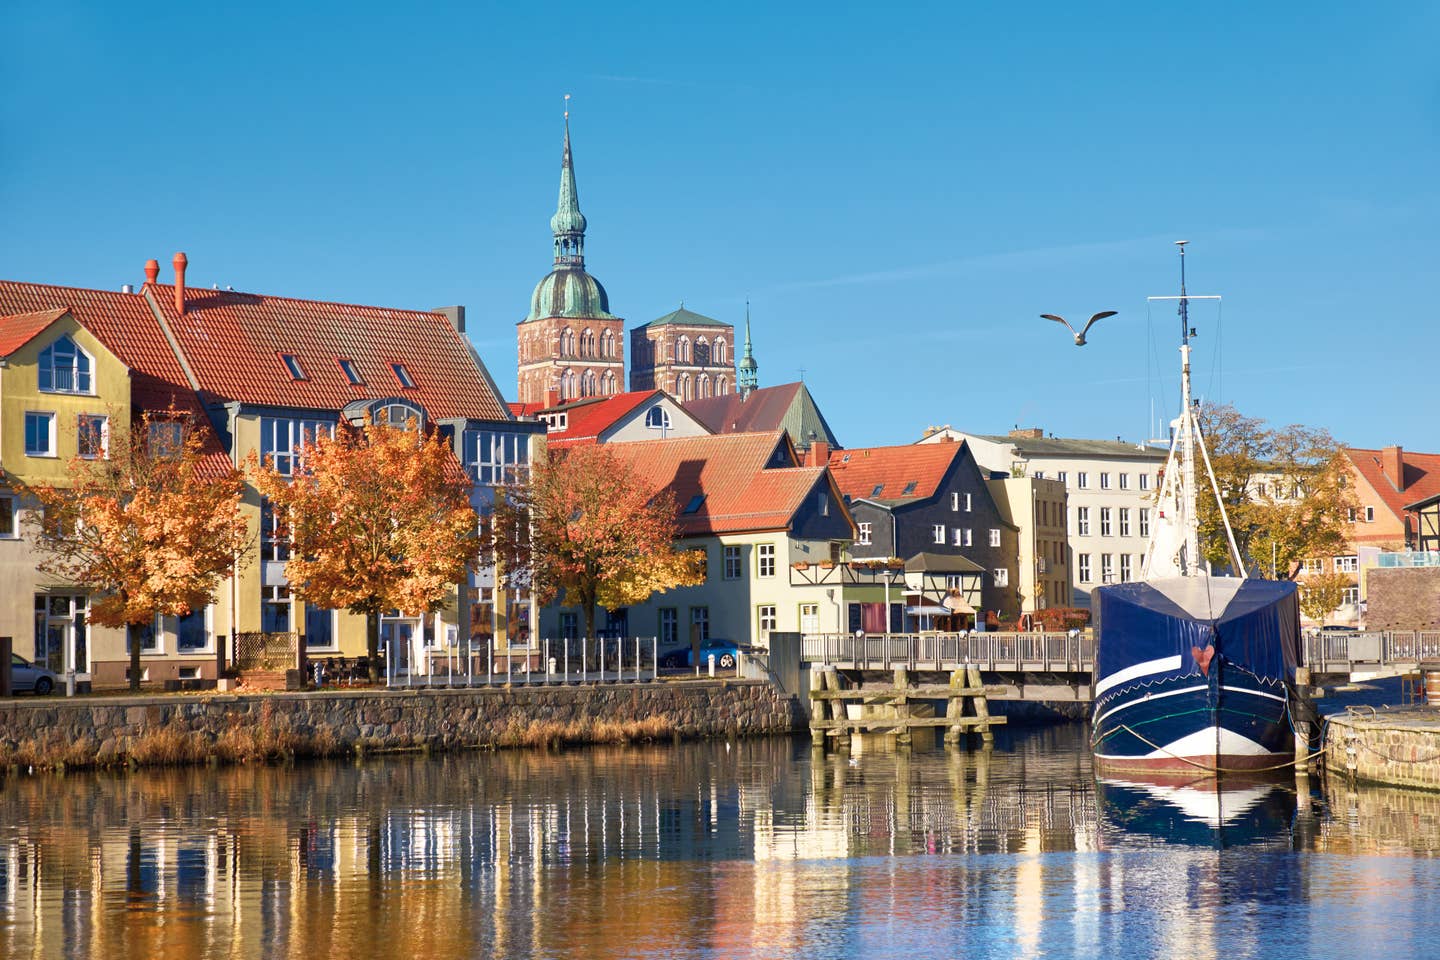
x=1109, y=488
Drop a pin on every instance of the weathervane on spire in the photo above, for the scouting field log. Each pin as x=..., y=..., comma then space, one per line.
x=567, y=106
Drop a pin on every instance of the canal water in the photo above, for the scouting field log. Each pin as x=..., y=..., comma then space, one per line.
x=752, y=849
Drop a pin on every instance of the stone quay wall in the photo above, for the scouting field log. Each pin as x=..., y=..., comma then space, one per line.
x=87, y=731
x=1400, y=748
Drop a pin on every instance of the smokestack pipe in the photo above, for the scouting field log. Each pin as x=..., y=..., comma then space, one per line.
x=152, y=271
x=180, y=263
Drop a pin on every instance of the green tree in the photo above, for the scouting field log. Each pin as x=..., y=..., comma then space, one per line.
x=1285, y=490
x=1322, y=593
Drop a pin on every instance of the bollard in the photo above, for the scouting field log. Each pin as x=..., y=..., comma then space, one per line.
x=550, y=672
x=711, y=658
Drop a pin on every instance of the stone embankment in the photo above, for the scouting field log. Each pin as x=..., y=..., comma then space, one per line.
x=1396, y=747
x=98, y=731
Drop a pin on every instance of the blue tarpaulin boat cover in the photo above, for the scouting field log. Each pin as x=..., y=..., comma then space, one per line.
x=1253, y=624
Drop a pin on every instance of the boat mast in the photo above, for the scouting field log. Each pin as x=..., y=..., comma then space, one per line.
x=1187, y=431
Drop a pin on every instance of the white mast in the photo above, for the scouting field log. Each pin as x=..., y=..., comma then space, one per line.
x=1191, y=565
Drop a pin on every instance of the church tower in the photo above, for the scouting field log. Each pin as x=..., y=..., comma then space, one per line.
x=748, y=378
x=571, y=345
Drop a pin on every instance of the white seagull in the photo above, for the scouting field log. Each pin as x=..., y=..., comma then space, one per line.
x=1080, y=337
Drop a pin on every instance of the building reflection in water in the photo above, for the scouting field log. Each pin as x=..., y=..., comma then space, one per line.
x=758, y=849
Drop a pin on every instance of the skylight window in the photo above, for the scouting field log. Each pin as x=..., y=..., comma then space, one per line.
x=909, y=488
x=403, y=375
x=878, y=488
x=695, y=503
x=292, y=364
x=845, y=459
x=348, y=368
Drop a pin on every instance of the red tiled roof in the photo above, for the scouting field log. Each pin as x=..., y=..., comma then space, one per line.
x=521, y=409
x=19, y=329
x=1421, y=474
x=764, y=410
x=741, y=493
x=585, y=421
x=860, y=471
x=233, y=343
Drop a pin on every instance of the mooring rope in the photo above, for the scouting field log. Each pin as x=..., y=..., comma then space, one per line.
x=1208, y=768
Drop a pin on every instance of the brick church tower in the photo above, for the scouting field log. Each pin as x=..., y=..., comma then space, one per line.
x=571, y=345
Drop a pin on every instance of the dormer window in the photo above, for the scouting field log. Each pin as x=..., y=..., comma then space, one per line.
x=65, y=368
x=909, y=488
x=696, y=502
x=657, y=418
x=878, y=488
x=403, y=376
x=292, y=365
x=347, y=367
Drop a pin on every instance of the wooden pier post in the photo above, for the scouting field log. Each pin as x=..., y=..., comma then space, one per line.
x=955, y=709
x=982, y=705
x=837, y=709
x=819, y=710
x=1302, y=723
x=903, y=738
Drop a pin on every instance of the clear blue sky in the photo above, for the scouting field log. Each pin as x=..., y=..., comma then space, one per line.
x=899, y=190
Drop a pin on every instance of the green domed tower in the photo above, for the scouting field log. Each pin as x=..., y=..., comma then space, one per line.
x=570, y=344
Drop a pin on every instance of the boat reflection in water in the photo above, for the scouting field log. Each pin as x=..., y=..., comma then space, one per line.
x=1197, y=810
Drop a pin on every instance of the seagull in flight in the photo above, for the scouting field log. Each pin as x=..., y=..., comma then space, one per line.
x=1080, y=337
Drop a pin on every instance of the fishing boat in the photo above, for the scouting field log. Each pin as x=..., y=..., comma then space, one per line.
x=1193, y=670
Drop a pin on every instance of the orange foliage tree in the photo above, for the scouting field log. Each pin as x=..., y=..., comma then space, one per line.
x=378, y=518
x=585, y=528
x=151, y=528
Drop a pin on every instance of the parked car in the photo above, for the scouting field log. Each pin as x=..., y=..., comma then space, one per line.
x=725, y=652
x=25, y=675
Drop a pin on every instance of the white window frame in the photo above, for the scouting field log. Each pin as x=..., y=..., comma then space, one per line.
x=1105, y=527
x=1124, y=481
x=1082, y=521
x=1144, y=481
x=1369, y=514
x=954, y=502
x=957, y=537
x=863, y=530
x=1082, y=480
x=1104, y=480
x=937, y=532
x=1082, y=567
x=731, y=553
x=1002, y=576
x=767, y=612
x=967, y=503
x=104, y=431
x=1124, y=521
x=969, y=537
x=73, y=372
x=1350, y=564
x=1107, y=568
x=994, y=536
x=1124, y=568
x=1351, y=596
x=50, y=450
x=765, y=561
x=1144, y=521
x=10, y=531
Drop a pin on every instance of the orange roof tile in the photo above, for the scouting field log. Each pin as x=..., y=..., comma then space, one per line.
x=234, y=341
x=585, y=421
x=885, y=473
x=741, y=493
x=1421, y=474
x=18, y=329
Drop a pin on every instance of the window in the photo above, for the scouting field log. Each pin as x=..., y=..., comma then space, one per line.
x=39, y=434
x=7, y=518
x=958, y=536
x=1124, y=481
x=281, y=440
x=292, y=366
x=319, y=628
x=657, y=418
x=954, y=503
x=1144, y=481
x=1082, y=566
x=1104, y=480
x=493, y=457
x=1105, y=568
x=92, y=436
x=1063, y=476
x=64, y=368
x=1082, y=480
x=569, y=625
x=669, y=626
x=909, y=488
x=347, y=367
x=274, y=545
x=969, y=537
x=1349, y=564
x=1351, y=596
x=696, y=502
x=1260, y=490
x=809, y=618
x=1002, y=577
x=994, y=536
x=165, y=437
x=1369, y=514
x=822, y=503
x=1144, y=521
x=734, y=565
x=864, y=534
x=1104, y=521
x=401, y=416
x=967, y=503
x=147, y=636
x=938, y=532
x=878, y=488
x=1124, y=521
x=768, y=620
x=766, y=565
x=1314, y=566
x=700, y=622
x=1082, y=521
x=1039, y=474
x=1124, y=568
x=403, y=376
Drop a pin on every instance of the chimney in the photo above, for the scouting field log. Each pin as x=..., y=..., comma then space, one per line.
x=1392, y=462
x=152, y=271
x=552, y=398
x=1027, y=433
x=456, y=315
x=126, y=288
x=180, y=263
x=818, y=455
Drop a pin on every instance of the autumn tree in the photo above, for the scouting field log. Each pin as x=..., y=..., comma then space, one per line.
x=585, y=528
x=1322, y=593
x=378, y=518
x=150, y=526
x=1284, y=489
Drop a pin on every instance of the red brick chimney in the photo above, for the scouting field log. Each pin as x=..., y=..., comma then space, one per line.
x=552, y=398
x=1027, y=433
x=818, y=455
x=180, y=263
x=1392, y=462
x=152, y=271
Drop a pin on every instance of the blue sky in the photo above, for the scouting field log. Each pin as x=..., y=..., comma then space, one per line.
x=898, y=190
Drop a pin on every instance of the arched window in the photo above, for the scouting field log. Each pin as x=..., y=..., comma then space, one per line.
x=720, y=352
x=657, y=418
x=587, y=384
x=607, y=344
x=722, y=386
x=567, y=342
x=567, y=385
x=682, y=350
x=682, y=387
x=702, y=385
x=65, y=368
x=607, y=383
x=587, y=343
x=702, y=351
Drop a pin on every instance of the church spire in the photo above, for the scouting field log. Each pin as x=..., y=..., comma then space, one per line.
x=748, y=378
x=568, y=224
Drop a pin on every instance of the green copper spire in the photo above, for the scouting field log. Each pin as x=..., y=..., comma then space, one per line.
x=568, y=224
x=748, y=377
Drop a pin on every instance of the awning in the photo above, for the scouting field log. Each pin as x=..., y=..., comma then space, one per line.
x=928, y=611
x=957, y=604
x=942, y=563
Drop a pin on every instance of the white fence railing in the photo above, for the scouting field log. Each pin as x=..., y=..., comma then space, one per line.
x=1341, y=651
x=991, y=650
x=561, y=661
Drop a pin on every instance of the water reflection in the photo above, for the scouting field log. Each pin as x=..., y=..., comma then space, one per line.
x=757, y=849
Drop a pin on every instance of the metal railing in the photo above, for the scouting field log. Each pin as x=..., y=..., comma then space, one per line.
x=1071, y=652
x=557, y=662
x=1372, y=650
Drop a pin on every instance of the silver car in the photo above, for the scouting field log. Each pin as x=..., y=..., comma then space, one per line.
x=25, y=675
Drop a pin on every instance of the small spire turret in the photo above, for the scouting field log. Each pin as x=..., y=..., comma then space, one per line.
x=747, y=378
x=568, y=224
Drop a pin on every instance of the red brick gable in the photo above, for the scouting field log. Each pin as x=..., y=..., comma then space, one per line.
x=1421, y=476
x=585, y=421
x=858, y=472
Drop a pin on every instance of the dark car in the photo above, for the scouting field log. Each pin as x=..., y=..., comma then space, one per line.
x=25, y=675
x=725, y=652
